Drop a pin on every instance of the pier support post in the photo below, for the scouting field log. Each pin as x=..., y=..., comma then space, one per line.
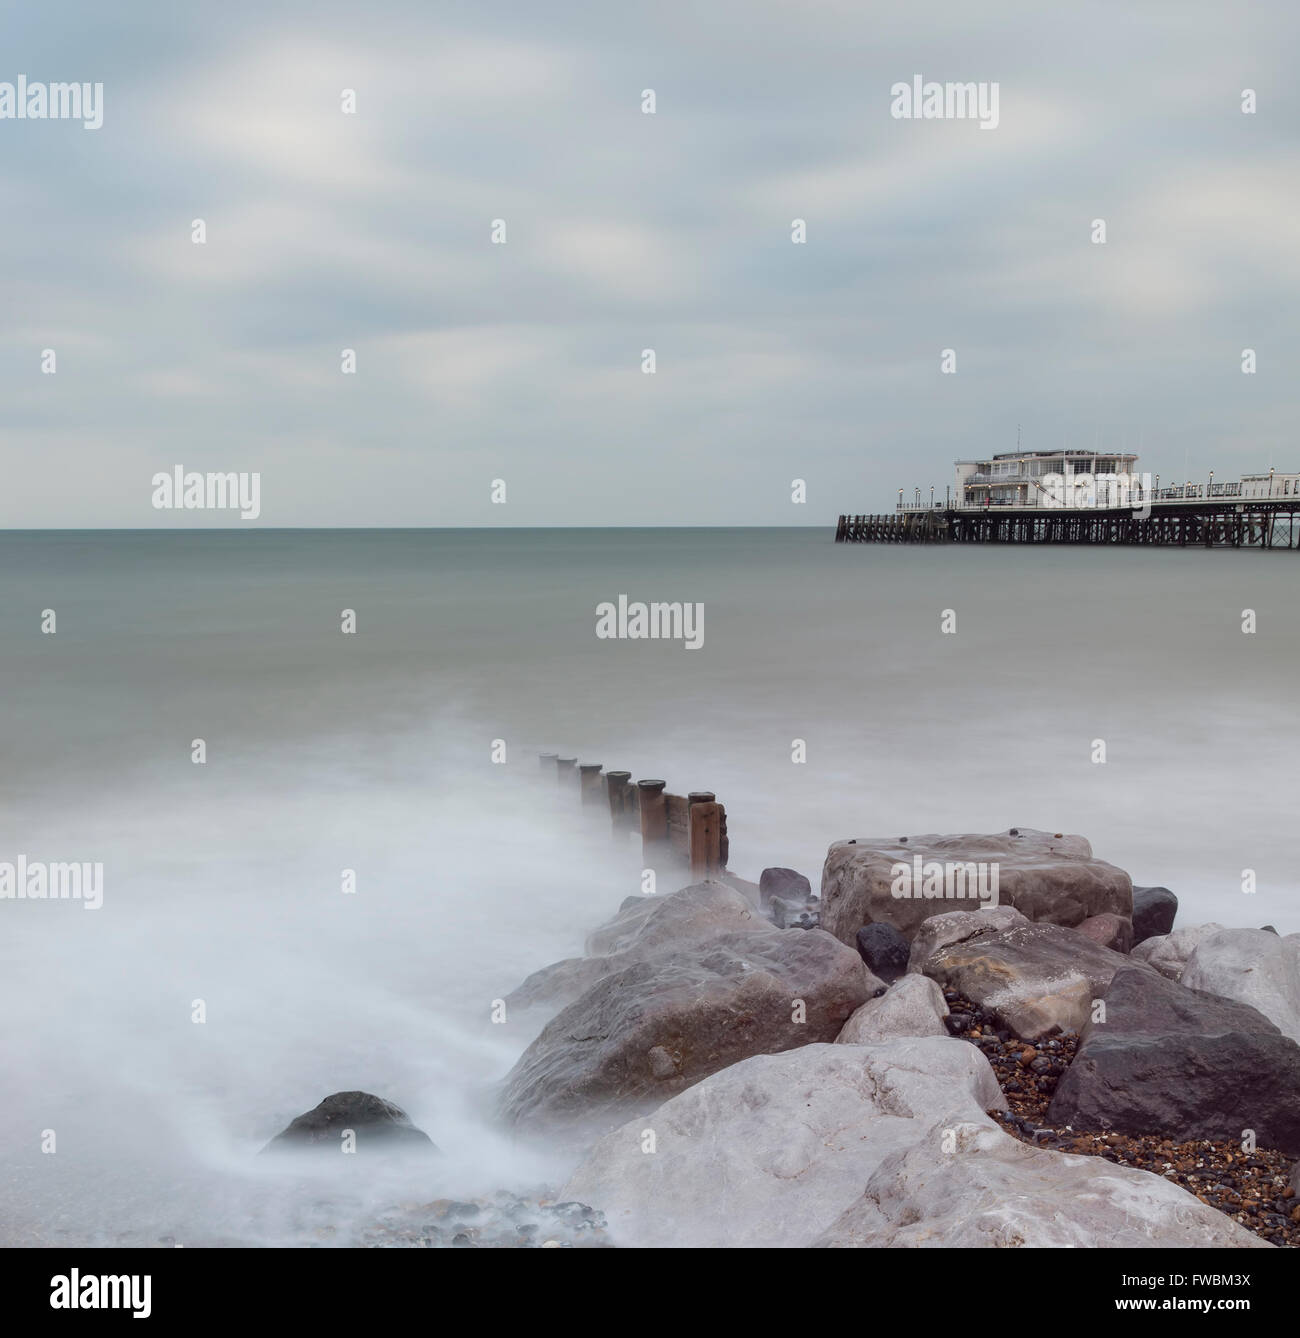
x=654, y=821
x=546, y=763
x=564, y=770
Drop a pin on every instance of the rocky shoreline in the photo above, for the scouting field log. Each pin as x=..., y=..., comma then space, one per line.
x=970, y=1040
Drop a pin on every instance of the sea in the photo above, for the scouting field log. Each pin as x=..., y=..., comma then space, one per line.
x=364, y=856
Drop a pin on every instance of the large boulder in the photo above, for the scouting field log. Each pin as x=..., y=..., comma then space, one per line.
x=378, y=1125
x=1181, y=1063
x=1168, y=953
x=974, y=1185
x=914, y=1006
x=1254, y=967
x=642, y=927
x=1034, y=979
x=1053, y=879
x=659, y=1026
x=1154, y=909
x=772, y=1150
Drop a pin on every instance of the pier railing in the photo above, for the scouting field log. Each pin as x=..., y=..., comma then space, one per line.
x=688, y=832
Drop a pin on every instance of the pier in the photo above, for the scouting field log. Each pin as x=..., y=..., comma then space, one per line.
x=1176, y=523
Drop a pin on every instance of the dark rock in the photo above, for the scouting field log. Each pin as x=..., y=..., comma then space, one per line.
x=1268, y=929
x=378, y=1125
x=884, y=950
x=1154, y=909
x=783, y=883
x=1182, y=1063
x=629, y=902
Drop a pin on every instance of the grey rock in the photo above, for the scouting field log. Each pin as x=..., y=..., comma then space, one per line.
x=1049, y=878
x=973, y=1185
x=956, y=927
x=659, y=1026
x=1110, y=930
x=772, y=1150
x=784, y=883
x=1168, y=953
x=1253, y=967
x=912, y=1006
x=1182, y=1063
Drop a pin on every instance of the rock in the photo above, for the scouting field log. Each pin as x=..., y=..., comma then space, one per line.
x=1169, y=953
x=1253, y=967
x=659, y=1026
x=642, y=927
x=1295, y=1178
x=974, y=1185
x=1049, y=878
x=1111, y=931
x=1179, y=1062
x=914, y=1006
x=957, y=926
x=378, y=1125
x=1269, y=929
x=1154, y=909
x=772, y=1150
x=783, y=883
x=884, y=950
x=793, y=915
x=1034, y=979
x=687, y=915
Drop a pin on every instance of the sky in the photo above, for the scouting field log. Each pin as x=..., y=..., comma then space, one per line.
x=479, y=361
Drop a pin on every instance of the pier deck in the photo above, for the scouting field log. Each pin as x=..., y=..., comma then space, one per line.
x=1257, y=523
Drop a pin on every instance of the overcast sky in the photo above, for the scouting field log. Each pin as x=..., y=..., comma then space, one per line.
x=628, y=231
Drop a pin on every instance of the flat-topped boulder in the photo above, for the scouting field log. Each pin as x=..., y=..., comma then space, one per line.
x=1035, y=979
x=645, y=1033
x=902, y=881
x=1182, y=1063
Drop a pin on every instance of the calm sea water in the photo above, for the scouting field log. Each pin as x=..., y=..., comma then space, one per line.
x=373, y=753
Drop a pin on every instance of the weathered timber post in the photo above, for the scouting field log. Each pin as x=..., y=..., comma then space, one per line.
x=564, y=770
x=618, y=791
x=705, y=834
x=546, y=763
x=654, y=821
x=589, y=783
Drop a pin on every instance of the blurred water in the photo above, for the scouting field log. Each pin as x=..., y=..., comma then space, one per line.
x=372, y=752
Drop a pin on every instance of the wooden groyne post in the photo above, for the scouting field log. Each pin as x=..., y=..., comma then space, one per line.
x=686, y=832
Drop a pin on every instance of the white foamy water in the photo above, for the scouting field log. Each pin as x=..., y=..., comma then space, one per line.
x=326, y=752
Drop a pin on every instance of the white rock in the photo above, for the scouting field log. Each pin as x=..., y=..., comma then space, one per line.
x=772, y=1150
x=913, y=1006
x=1253, y=967
x=977, y=1186
x=1168, y=953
